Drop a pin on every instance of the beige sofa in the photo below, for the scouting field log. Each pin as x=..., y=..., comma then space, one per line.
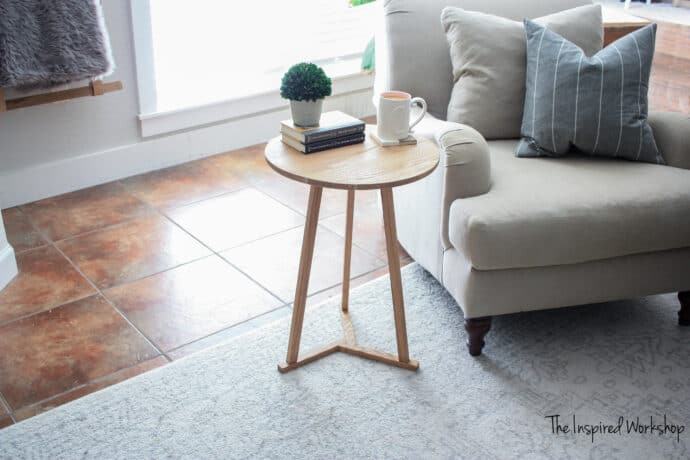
x=506, y=234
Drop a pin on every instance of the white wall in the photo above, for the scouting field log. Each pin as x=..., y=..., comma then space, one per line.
x=69, y=129
x=51, y=149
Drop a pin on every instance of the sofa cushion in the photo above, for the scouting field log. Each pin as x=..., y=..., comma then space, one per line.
x=545, y=211
x=412, y=52
x=489, y=56
x=596, y=104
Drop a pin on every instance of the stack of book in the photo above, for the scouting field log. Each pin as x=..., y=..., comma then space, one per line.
x=336, y=129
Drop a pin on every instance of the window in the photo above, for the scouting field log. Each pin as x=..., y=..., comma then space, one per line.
x=200, y=52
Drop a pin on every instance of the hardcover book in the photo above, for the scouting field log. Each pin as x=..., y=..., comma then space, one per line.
x=325, y=144
x=332, y=125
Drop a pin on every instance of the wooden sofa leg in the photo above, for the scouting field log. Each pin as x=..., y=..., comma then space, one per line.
x=684, y=313
x=476, y=330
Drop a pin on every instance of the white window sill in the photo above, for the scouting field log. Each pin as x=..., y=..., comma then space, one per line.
x=158, y=123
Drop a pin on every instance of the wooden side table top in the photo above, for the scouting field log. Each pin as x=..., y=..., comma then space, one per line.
x=363, y=166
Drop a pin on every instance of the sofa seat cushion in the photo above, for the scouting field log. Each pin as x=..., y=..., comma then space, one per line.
x=546, y=211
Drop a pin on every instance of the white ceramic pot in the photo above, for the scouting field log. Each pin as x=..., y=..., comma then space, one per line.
x=306, y=113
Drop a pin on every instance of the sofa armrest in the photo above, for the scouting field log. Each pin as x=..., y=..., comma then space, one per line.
x=466, y=167
x=672, y=135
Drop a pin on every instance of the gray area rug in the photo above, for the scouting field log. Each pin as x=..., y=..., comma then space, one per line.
x=598, y=362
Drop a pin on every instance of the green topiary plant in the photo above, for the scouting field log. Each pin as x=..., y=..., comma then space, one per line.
x=305, y=82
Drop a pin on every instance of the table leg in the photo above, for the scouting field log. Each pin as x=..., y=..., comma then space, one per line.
x=304, y=271
x=394, y=270
x=347, y=344
x=347, y=257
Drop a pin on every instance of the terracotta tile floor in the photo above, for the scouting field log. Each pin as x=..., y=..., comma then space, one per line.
x=64, y=347
x=119, y=279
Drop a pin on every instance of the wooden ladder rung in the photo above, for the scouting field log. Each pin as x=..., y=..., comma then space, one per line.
x=95, y=88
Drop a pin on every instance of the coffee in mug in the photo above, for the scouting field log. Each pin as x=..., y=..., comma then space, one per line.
x=393, y=114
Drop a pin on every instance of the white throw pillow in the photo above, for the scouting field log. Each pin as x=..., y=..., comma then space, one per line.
x=489, y=58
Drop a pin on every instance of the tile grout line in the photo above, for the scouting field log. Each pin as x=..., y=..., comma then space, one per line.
x=371, y=254
x=295, y=210
x=266, y=194
x=321, y=291
x=86, y=384
x=375, y=256
x=18, y=253
x=174, y=267
x=216, y=253
x=8, y=409
x=29, y=315
x=164, y=213
x=368, y=252
x=52, y=307
x=98, y=291
x=155, y=207
x=112, y=304
x=31, y=224
x=50, y=241
x=285, y=304
x=107, y=227
x=88, y=232
x=301, y=213
x=154, y=210
x=225, y=329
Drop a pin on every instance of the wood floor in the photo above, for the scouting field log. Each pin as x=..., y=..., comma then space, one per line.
x=669, y=88
x=122, y=278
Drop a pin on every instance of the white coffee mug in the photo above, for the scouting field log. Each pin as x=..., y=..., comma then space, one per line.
x=393, y=114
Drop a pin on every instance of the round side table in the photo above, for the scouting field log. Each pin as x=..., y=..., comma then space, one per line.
x=363, y=166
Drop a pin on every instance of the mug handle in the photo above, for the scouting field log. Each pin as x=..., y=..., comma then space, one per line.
x=422, y=102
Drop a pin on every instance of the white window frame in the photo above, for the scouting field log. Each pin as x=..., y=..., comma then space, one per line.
x=346, y=76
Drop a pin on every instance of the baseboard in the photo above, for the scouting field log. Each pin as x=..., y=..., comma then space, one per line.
x=8, y=266
x=50, y=179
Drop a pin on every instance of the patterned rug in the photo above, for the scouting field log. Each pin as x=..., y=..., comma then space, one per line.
x=606, y=365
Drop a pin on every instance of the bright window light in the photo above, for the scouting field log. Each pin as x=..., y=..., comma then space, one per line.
x=206, y=51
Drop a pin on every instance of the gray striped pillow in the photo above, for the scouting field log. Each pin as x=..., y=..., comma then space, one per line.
x=598, y=104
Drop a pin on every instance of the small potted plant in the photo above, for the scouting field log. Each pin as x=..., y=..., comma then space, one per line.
x=305, y=85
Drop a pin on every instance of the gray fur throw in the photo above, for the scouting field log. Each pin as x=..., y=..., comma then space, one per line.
x=47, y=42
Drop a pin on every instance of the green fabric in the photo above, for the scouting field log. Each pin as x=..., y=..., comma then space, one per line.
x=368, y=62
